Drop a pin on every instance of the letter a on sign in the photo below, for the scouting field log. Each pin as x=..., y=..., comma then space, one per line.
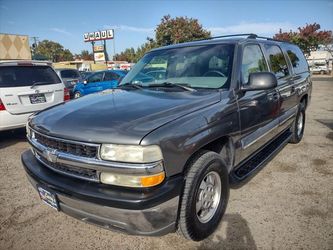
x=97, y=35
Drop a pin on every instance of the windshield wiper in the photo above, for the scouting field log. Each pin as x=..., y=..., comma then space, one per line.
x=129, y=84
x=183, y=86
x=39, y=83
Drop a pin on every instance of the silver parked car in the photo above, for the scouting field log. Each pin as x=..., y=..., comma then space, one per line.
x=70, y=77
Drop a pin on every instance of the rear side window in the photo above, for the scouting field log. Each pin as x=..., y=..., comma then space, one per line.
x=20, y=76
x=277, y=60
x=98, y=77
x=253, y=61
x=297, y=59
x=109, y=76
x=69, y=74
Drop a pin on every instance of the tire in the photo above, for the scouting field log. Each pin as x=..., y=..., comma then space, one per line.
x=77, y=94
x=196, y=224
x=297, y=128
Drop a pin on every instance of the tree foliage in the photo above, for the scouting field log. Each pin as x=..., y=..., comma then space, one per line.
x=53, y=51
x=307, y=38
x=179, y=30
x=85, y=55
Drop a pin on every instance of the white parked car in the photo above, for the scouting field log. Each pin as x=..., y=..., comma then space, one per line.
x=27, y=87
x=320, y=69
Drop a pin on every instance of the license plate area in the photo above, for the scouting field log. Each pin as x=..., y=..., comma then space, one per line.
x=37, y=98
x=48, y=197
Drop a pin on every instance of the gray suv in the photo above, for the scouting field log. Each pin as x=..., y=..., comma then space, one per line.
x=160, y=154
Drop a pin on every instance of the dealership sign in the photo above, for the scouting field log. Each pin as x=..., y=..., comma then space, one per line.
x=98, y=35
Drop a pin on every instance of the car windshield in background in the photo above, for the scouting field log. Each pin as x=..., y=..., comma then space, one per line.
x=206, y=66
x=19, y=76
x=69, y=74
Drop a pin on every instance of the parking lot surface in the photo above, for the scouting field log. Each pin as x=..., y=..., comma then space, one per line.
x=288, y=205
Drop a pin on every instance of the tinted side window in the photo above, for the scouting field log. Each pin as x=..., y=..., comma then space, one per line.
x=297, y=59
x=253, y=61
x=19, y=76
x=96, y=77
x=277, y=61
x=109, y=76
x=69, y=74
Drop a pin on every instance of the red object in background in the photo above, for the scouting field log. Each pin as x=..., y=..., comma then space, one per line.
x=66, y=95
x=2, y=106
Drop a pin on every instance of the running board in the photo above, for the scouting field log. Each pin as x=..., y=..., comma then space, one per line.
x=248, y=169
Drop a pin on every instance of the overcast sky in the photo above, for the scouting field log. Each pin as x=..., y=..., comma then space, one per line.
x=66, y=21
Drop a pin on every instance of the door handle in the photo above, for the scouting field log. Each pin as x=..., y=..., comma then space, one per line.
x=273, y=96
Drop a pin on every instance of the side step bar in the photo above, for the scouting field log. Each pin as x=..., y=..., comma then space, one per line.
x=242, y=174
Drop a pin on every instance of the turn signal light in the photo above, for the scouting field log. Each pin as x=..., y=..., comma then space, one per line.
x=153, y=180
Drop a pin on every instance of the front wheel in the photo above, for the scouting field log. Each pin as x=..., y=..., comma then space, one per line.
x=77, y=94
x=297, y=128
x=205, y=196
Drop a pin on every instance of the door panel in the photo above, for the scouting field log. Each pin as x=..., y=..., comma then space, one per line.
x=259, y=119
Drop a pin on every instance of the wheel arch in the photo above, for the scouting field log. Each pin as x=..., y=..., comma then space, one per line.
x=223, y=146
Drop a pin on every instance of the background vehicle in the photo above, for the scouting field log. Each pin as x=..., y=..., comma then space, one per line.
x=99, y=81
x=69, y=77
x=319, y=68
x=159, y=155
x=27, y=87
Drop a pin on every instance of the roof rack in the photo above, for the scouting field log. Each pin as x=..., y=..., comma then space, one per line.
x=248, y=35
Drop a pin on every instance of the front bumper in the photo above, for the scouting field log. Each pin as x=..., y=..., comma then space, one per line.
x=146, y=212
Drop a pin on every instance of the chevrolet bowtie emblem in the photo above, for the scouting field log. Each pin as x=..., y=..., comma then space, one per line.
x=50, y=155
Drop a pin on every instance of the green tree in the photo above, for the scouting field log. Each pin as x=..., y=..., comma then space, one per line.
x=307, y=38
x=179, y=30
x=53, y=51
x=126, y=55
x=85, y=55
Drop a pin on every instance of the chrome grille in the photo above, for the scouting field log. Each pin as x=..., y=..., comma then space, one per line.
x=67, y=147
x=47, y=149
x=82, y=173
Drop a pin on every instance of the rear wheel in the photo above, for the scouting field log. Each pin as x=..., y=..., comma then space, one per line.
x=205, y=196
x=297, y=128
x=77, y=94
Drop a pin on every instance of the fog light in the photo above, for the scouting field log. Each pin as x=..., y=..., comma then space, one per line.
x=132, y=180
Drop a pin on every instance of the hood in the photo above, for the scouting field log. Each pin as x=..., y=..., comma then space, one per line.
x=119, y=116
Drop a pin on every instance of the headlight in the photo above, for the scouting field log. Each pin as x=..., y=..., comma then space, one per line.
x=131, y=153
x=132, y=180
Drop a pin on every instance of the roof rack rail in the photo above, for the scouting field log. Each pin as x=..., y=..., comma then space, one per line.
x=248, y=35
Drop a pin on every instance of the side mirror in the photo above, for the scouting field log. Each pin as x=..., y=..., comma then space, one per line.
x=260, y=81
x=85, y=82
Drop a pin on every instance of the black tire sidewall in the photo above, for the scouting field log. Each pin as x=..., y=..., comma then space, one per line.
x=198, y=230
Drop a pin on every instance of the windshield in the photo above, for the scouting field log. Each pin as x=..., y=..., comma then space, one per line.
x=206, y=66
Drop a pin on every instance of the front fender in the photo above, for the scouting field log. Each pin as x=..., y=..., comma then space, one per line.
x=183, y=137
